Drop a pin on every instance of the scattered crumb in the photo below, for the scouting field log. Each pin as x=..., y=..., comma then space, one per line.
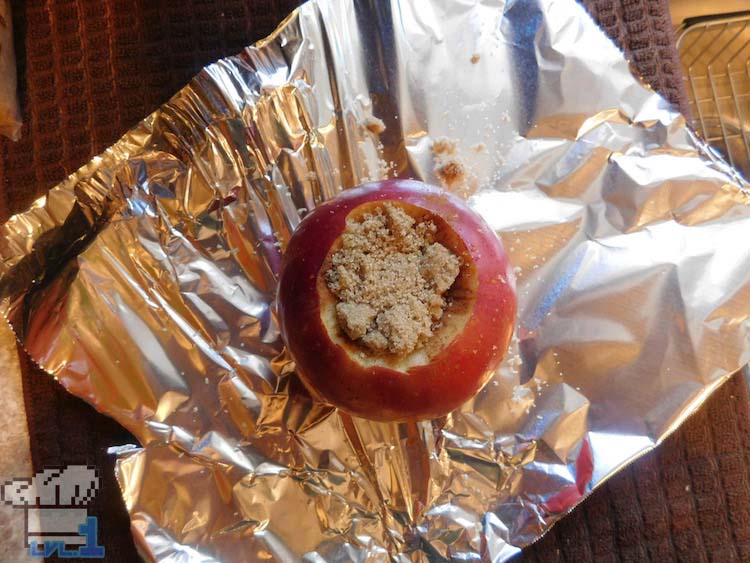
x=376, y=167
x=444, y=146
x=452, y=173
x=390, y=277
x=479, y=147
x=385, y=168
x=449, y=168
x=515, y=361
x=475, y=58
x=521, y=394
x=374, y=124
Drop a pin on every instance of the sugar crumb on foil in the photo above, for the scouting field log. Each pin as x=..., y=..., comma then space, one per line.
x=376, y=168
x=374, y=124
x=475, y=58
x=515, y=361
x=479, y=147
x=444, y=146
x=522, y=394
x=452, y=172
x=385, y=168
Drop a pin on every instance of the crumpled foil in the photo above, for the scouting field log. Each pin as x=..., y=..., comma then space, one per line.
x=145, y=282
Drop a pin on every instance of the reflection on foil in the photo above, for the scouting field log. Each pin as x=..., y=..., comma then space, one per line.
x=145, y=282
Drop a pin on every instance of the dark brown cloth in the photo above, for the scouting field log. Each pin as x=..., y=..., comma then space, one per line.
x=90, y=69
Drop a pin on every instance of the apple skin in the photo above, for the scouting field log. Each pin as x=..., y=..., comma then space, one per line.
x=454, y=374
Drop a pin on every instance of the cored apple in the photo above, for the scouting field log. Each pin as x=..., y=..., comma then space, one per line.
x=438, y=328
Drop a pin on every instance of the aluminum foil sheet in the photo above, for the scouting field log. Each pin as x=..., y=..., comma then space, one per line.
x=145, y=282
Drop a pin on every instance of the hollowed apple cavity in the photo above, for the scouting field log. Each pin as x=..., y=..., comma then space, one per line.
x=397, y=285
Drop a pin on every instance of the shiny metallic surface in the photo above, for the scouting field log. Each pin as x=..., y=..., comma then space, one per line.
x=145, y=282
x=715, y=54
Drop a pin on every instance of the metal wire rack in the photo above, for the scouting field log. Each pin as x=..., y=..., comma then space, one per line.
x=715, y=55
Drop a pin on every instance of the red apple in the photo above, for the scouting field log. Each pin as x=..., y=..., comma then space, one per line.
x=458, y=359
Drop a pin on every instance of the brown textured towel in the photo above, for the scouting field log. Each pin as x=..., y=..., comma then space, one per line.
x=10, y=114
x=90, y=69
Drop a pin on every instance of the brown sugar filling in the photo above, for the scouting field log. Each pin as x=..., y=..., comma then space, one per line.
x=390, y=277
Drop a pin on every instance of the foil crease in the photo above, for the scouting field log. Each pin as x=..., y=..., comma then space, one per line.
x=145, y=282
